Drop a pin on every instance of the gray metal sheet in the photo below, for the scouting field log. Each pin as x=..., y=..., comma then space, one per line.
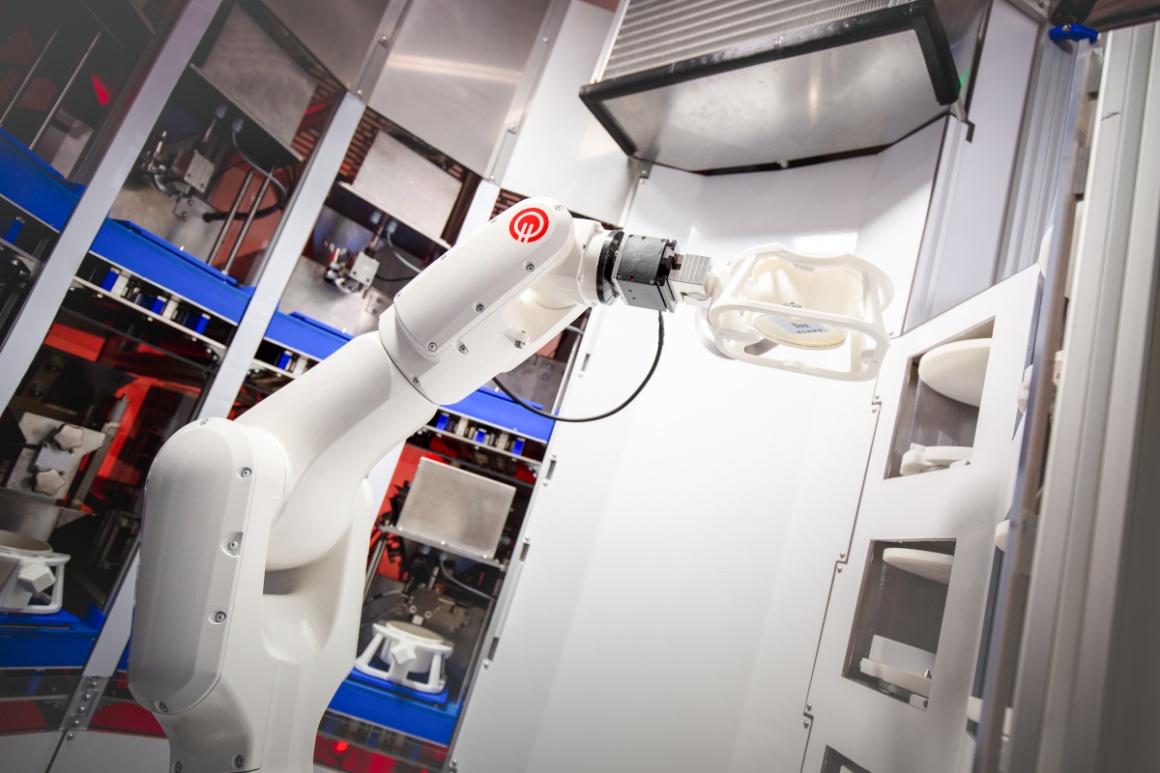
x=405, y=185
x=256, y=74
x=340, y=33
x=459, y=509
x=454, y=69
x=857, y=96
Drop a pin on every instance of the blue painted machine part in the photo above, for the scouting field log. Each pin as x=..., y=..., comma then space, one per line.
x=306, y=335
x=61, y=640
x=1073, y=32
x=498, y=409
x=131, y=246
x=375, y=700
x=34, y=186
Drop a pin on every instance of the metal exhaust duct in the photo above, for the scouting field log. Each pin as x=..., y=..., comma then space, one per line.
x=703, y=85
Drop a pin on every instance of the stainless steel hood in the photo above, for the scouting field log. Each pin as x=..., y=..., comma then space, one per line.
x=706, y=86
x=1105, y=14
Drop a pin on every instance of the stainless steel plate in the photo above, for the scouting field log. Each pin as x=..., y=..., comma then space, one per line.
x=451, y=507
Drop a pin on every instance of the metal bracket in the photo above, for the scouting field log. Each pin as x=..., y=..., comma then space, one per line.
x=84, y=701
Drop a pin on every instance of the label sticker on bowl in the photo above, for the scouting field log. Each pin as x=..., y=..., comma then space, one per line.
x=799, y=328
x=799, y=333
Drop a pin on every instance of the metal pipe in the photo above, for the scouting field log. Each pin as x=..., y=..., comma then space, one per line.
x=249, y=219
x=65, y=89
x=19, y=92
x=221, y=237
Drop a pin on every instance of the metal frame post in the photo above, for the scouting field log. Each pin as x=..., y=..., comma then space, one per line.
x=998, y=682
x=1069, y=629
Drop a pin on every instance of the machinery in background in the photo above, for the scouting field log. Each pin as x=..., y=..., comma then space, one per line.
x=50, y=453
x=63, y=63
x=256, y=557
x=140, y=334
x=395, y=207
x=231, y=142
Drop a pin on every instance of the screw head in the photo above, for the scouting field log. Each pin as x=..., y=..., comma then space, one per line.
x=415, y=380
x=805, y=723
x=839, y=568
x=71, y=735
x=203, y=422
x=809, y=707
x=432, y=346
x=178, y=767
x=219, y=616
x=162, y=707
x=478, y=308
x=463, y=349
x=233, y=544
x=245, y=472
x=530, y=267
x=239, y=761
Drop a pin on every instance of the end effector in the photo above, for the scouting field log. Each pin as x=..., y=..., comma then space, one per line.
x=648, y=272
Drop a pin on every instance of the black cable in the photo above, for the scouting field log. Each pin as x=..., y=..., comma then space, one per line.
x=394, y=278
x=617, y=409
x=455, y=581
x=382, y=595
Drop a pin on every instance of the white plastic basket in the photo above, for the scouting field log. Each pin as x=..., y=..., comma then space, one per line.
x=782, y=309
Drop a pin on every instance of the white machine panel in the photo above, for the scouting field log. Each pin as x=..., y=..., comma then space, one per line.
x=962, y=504
x=700, y=559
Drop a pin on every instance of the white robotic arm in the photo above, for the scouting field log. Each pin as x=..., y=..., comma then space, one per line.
x=255, y=531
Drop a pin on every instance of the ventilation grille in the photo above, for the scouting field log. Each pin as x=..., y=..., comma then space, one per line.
x=660, y=32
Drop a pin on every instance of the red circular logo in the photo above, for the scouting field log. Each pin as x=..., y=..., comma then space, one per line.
x=528, y=225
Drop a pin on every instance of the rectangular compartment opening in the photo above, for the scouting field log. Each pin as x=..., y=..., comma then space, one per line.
x=894, y=641
x=835, y=762
x=939, y=408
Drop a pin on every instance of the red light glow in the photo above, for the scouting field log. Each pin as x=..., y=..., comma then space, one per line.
x=101, y=90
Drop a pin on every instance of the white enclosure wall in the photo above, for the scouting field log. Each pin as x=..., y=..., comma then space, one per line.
x=562, y=151
x=670, y=607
